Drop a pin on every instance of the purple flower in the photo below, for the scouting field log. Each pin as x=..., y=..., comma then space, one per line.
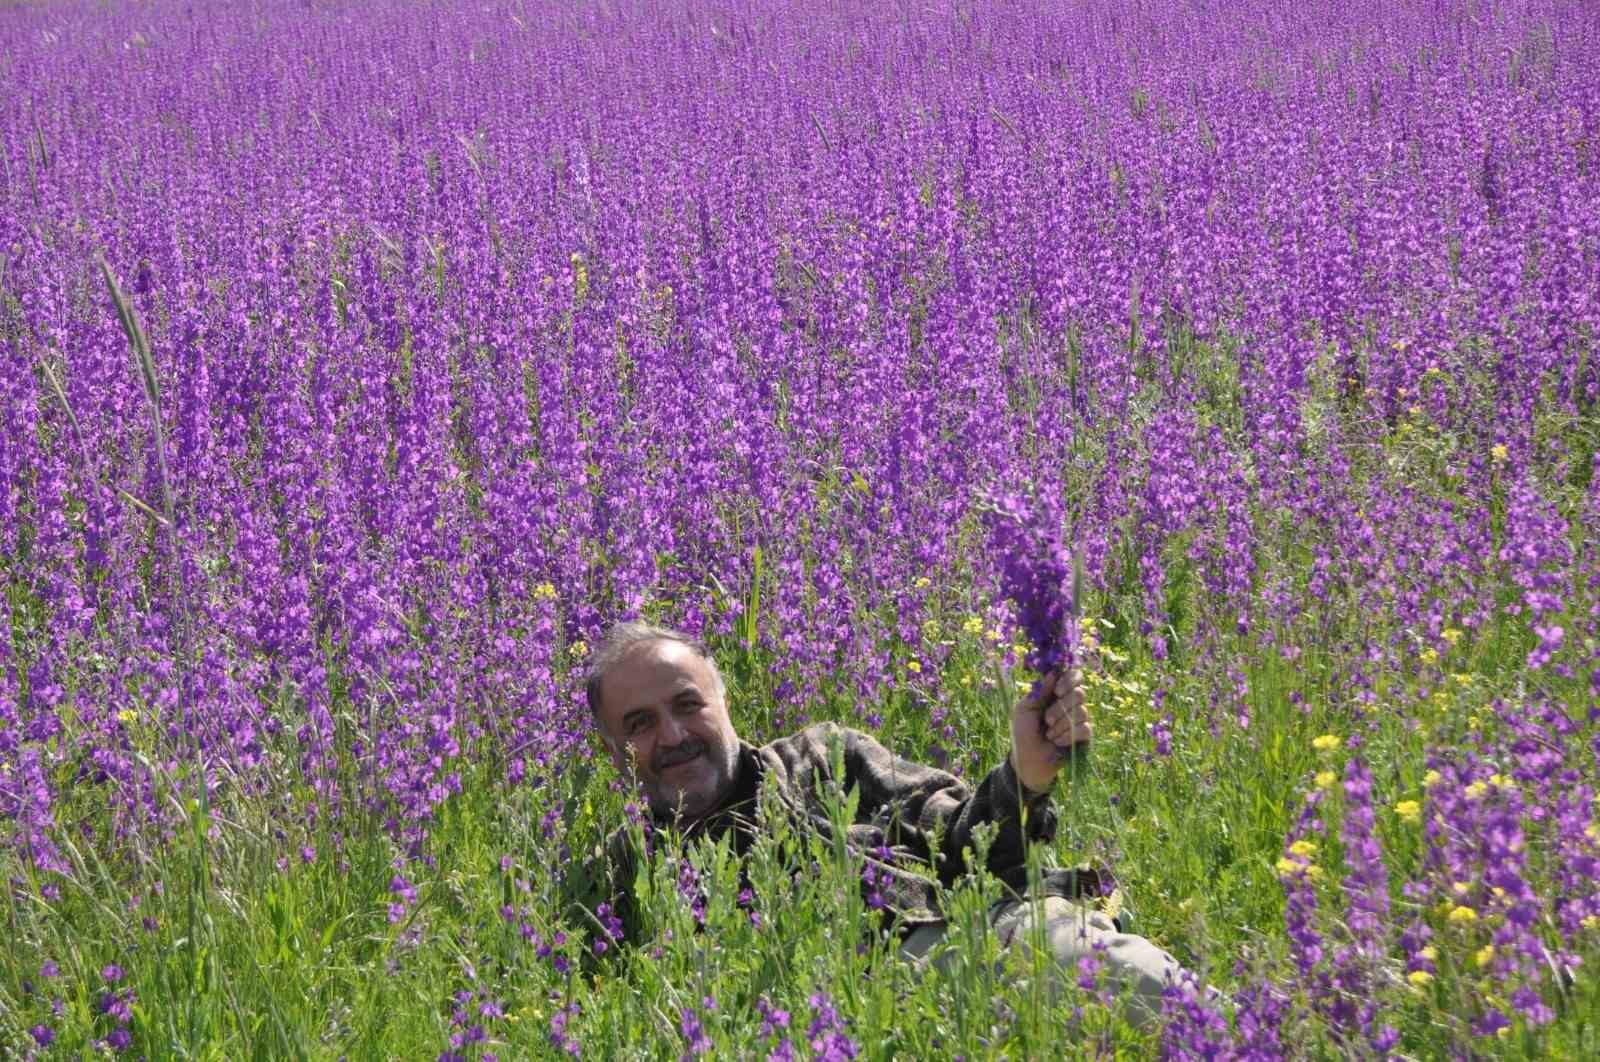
x=1035, y=574
x=43, y=1035
x=1089, y=967
x=772, y=1018
x=1193, y=1029
x=404, y=889
x=693, y=1033
x=827, y=1031
x=560, y=1022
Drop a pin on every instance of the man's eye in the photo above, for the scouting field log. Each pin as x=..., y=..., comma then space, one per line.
x=690, y=707
x=636, y=726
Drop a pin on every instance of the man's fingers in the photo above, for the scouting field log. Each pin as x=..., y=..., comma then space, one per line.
x=1043, y=693
x=1070, y=732
x=1066, y=725
x=1072, y=709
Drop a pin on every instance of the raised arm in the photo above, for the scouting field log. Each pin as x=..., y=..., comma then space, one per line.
x=911, y=803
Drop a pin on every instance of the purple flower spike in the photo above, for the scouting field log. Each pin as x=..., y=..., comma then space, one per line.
x=1036, y=577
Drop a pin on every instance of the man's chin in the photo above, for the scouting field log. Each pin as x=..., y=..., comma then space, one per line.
x=685, y=804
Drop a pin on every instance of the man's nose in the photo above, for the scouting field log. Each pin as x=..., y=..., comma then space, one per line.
x=673, y=731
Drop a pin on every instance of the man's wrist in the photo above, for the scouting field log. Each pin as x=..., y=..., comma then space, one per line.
x=1028, y=793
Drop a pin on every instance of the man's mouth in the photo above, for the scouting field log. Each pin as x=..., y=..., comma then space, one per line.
x=679, y=757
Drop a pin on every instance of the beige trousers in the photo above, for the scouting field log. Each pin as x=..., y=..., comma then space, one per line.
x=1132, y=966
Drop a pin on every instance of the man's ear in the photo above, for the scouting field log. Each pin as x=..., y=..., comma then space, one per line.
x=611, y=748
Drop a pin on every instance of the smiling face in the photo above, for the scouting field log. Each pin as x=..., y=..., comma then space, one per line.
x=665, y=722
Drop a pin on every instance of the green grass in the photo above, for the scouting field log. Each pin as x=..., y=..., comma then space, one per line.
x=237, y=947
x=249, y=927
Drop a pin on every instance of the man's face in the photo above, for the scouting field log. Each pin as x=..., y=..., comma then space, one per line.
x=666, y=725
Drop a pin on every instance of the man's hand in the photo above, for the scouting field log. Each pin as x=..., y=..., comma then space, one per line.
x=1044, y=725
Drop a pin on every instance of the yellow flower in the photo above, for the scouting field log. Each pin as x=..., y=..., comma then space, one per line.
x=1304, y=849
x=974, y=625
x=1499, y=452
x=1476, y=790
x=1461, y=914
x=1461, y=888
x=1326, y=743
x=1290, y=868
x=127, y=715
x=1592, y=831
x=1409, y=810
x=995, y=636
x=1325, y=779
x=1591, y=922
x=1430, y=953
x=1484, y=955
x=580, y=275
x=580, y=647
x=544, y=592
x=1500, y=781
x=1430, y=656
x=1430, y=779
x=923, y=582
x=914, y=666
x=1419, y=978
x=1451, y=635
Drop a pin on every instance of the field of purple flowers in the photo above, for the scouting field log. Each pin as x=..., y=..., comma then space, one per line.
x=359, y=363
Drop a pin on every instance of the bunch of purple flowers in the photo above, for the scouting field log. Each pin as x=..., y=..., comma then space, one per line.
x=1037, y=577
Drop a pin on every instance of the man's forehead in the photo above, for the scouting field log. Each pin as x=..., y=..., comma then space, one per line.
x=660, y=668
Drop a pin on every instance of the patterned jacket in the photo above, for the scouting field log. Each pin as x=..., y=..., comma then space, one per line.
x=903, y=810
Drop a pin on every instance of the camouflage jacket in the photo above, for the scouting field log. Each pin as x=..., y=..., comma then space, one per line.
x=914, y=824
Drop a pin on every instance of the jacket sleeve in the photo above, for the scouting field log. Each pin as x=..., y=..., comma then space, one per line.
x=914, y=802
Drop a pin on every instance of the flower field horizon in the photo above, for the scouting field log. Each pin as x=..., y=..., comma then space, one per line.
x=364, y=363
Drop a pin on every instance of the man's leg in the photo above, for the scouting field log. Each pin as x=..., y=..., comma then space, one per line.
x=1132, y=967
x=919, y=941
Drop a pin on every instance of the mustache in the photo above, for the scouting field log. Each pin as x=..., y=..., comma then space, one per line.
x=679, y=754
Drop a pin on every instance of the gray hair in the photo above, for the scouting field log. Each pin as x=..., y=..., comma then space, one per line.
x=623, y=638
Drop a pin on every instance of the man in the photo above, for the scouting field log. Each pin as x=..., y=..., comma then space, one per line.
x=660, y=707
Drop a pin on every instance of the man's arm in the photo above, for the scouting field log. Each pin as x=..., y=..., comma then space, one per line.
x=912, y=802
x=1046, y=726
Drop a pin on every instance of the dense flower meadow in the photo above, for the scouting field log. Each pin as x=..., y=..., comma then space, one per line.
x=361, y=363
